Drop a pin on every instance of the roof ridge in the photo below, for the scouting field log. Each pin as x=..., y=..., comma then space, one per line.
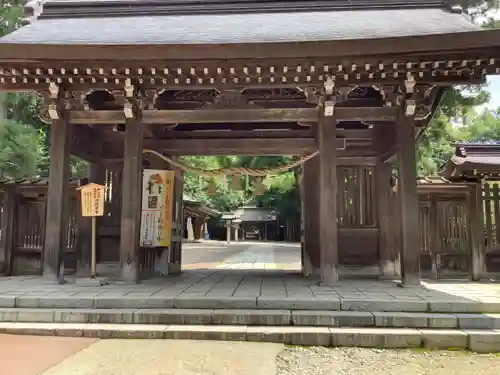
x=120, y=8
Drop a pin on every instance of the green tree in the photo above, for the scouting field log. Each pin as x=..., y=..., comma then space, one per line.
x=24, y=108
x=457, y=106
x=19, y=145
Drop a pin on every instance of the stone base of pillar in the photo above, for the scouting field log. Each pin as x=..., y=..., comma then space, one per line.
x=174, y=269
x=306, y=266
x=390, y=270
x=128, y=273
x=161, y=263
x=478, y=267
x=329, y=276
x=84, y=272
x=308, y=269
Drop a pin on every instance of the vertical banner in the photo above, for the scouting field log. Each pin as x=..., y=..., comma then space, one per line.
x=157, y=208
x=168, y=209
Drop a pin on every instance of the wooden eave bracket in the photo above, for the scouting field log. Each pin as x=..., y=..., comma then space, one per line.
x=58, y=101
x=410, y=104
x=330, y=97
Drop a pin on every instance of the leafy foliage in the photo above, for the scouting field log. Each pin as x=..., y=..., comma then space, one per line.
x=19, y=147
x=22, y=111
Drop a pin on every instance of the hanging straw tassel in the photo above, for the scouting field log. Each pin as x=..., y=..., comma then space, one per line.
x=212, y=187
x=236, y=183
x=260, y=188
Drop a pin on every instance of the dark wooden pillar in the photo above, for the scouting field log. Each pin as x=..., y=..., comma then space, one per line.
x=328, y=235
x=57, y=196
x=7, y=228
x=435, y=240
x=175, y=264
x=388, y=254
x=476, y=224
x=407, y=167
x=310, y=200
x=131, y=196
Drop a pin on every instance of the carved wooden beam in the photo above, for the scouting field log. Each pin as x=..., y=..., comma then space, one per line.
x=249, y=146
x=225, y=134
x=368, y=114
x=349, y=134
x=347, y=161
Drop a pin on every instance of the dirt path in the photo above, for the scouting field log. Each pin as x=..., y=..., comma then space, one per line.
x=355, y=361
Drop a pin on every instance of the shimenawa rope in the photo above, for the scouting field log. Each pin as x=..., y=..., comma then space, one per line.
x=234, y=170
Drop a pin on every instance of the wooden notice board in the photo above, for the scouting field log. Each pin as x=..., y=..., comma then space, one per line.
x=92, y=198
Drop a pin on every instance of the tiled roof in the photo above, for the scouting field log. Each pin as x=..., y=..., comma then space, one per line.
x=303, y=26
x=483, y=157
x=90, y=8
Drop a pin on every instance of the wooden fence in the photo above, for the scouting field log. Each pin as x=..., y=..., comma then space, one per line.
x=445, y=230
x=22, y=223
x=491, y=206
x=448, y=225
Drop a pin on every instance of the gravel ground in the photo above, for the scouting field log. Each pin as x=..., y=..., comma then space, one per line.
x=357, y=361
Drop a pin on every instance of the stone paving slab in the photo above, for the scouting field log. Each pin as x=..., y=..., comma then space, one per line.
x=482, y=341
x=274, y=290
x=304, y=318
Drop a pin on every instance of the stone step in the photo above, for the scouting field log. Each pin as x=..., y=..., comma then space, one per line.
x=263, y=302
x=254, y=317
x=482, y=341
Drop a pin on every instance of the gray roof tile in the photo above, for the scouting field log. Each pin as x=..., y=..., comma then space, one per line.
x=243, y=28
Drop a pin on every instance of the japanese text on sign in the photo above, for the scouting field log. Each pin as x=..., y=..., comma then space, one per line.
x=92, y=198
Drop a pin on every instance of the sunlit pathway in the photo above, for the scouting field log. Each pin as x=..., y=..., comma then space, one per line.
x=265, y=256
x=242, y=255
x=170, y=357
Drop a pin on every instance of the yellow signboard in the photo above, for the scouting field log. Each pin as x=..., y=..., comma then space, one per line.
x=157, y=208
x=169, y=209
x=92, y=198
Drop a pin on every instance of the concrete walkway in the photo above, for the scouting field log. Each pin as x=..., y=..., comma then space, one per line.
x=259, y=257
x=165, y=357
x=241, y=255
x=32, y=355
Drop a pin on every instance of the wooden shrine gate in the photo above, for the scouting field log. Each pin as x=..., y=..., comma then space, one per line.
x=282, y=88
x=449, y=228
